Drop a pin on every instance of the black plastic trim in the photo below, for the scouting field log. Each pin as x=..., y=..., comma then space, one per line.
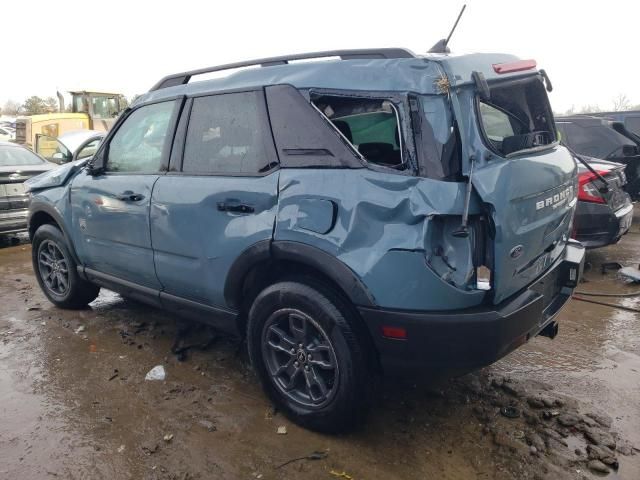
x=328, y=265
x=281, y=250
x=298, y=126
x=36, y=207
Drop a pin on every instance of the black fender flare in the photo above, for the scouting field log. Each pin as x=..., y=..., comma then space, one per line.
x=37, y=207
x=282, y=250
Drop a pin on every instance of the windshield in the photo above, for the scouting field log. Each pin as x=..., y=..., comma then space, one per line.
x=593, y=139
x=17, y=156
x=516, y=117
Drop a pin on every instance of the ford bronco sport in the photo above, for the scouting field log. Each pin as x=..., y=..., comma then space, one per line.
x=374, y=212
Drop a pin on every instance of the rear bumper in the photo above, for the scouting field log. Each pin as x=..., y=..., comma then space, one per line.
x=459, y=341
x=597, y=225
x=13, y=221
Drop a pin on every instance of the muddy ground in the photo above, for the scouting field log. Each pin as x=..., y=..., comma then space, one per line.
x=74, y=403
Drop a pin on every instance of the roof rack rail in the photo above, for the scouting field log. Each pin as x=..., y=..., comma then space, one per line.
x=184, y=77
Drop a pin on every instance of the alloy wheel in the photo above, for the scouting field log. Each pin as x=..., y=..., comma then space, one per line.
x=53, y=268
x=300, y=358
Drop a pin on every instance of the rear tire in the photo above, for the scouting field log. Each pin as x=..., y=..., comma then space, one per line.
x=303, y=346
x=57, y=272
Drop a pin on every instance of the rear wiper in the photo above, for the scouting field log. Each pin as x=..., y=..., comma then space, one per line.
x=605, y=188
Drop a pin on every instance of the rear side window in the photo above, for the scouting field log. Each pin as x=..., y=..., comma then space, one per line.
x=229, y=134
x=516, y=117
x=372, y=127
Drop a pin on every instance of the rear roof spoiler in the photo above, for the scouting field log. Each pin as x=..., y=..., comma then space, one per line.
x=368, y=53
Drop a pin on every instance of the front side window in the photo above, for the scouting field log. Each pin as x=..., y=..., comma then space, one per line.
x=141, y=142
x=229, y=134
x=517, y=117
x=372, y=126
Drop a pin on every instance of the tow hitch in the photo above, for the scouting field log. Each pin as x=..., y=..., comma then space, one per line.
x=550, y=330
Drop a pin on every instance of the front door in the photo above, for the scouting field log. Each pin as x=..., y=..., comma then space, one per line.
x=221, y=199
x=110, y=210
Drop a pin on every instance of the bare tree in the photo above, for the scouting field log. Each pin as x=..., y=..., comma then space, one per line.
x=590, y=108
x=11, y=107
x=51, y=104
x=621, y=103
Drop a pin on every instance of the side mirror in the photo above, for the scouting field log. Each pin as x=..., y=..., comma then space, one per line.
x=629, y=151
x=59, y=158
x=95, y=166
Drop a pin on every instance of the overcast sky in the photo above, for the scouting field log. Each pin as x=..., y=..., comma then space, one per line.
x=587, y=48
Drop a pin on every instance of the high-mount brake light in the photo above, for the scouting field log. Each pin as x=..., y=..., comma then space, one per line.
x=588, y=190
x=517, y=66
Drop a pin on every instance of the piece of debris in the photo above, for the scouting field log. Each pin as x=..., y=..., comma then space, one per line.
x=150, y=448
x=318, y=455
x=342, y=474
x=80, y=329
x=121, y=448
x=609, y=266
x=510, y=412
x=33, y=309
x=168, y=437
x=208, y=425
x=156, y=373
x=630, y=273
x=115, y=374
x=282, y=430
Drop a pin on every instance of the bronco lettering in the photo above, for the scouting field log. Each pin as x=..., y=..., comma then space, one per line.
x=555, y=200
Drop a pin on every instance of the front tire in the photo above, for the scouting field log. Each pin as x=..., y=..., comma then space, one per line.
x=303, y=345
x=56, y=270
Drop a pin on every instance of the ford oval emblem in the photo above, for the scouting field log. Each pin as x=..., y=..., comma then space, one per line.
x=516, y=251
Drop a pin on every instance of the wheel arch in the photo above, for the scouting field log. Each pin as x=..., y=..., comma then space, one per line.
x=267, y=262
x=269, y=259
x=43, y=214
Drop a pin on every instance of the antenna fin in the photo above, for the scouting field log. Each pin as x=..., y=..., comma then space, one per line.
x=441, y=46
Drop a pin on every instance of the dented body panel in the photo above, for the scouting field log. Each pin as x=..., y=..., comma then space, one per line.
x=383, y=230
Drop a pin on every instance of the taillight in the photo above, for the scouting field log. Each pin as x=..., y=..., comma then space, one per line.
x=517, y=66
x=588, y=190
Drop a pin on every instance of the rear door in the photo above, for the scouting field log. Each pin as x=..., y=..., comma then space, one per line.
x=529, y=183
x=219, y=199
x=110, y=210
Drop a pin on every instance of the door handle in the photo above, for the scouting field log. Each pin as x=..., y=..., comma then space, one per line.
x=129, y=196
x=235, y=207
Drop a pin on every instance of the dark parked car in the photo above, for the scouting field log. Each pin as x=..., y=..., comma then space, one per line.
x=603, y=214
x=599, y=138
x=17, y=164
x=629, y=118
x=374, y=212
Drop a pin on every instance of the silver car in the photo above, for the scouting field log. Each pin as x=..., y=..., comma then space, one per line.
x=74, y=145
x=17, y=164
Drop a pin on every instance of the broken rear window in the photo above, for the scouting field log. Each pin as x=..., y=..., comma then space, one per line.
x=370, y=125
x=517, y=117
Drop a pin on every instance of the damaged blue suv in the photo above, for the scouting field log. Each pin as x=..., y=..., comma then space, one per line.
x=377, y=211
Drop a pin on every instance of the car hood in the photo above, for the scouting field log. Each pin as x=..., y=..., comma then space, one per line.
x=56, y=177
